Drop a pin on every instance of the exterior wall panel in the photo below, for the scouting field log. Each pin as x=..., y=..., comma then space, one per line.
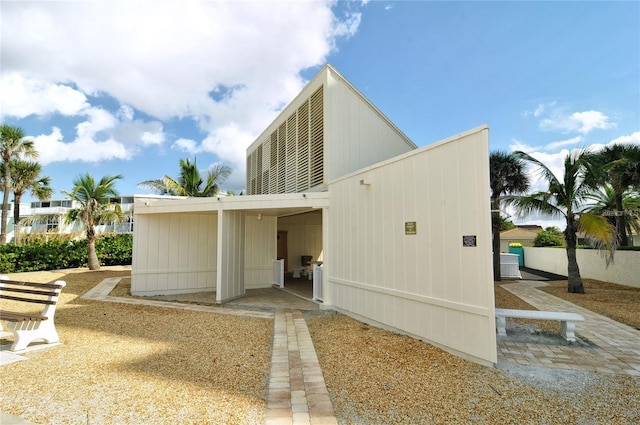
x=358, y=135
x=433, y=287
x=160, y=265
x=231, y=239
x=260, y=251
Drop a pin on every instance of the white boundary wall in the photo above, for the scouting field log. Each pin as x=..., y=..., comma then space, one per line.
x=625, y=270
x=426, y=284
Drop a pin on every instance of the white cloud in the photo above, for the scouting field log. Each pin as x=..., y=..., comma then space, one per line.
x=23, y=96
x=563, y=143
x=51, y=148
x=169, y=59
x=632, y=139
x=188, y=145
x=517, y=145
x=591, y=120
x=558, y=119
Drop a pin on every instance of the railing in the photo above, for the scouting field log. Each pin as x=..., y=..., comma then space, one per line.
x=317, y=283
x=278, y=273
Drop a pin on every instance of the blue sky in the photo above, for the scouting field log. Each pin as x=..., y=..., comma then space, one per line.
x=131, y=87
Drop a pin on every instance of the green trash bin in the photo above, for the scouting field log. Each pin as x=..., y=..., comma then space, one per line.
x=516, y=248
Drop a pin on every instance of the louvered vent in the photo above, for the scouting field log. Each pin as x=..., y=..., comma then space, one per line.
x=303, y=147
x=259, y=171
x=317, y=138
x=292, y=155
x=292, y=158
x=282, y=156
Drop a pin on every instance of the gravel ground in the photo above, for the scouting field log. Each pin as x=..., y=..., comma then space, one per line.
x=127, y=364
x=378, y=377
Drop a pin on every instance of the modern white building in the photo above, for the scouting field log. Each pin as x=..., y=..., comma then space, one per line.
x=403, y=233
x=51, y=218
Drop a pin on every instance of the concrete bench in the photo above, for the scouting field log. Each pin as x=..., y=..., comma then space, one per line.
x=568, y=320
x=29, y=327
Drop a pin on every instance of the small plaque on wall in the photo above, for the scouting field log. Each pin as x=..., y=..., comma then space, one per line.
x=469, y=240
x=410, y=228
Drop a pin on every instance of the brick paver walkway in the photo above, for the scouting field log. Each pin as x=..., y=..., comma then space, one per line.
x=297, y=392
x=616, y=350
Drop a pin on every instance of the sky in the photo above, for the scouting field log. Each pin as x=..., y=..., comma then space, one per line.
x=132, y=87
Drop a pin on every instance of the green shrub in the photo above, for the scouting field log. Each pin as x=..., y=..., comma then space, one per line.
x=115, y=249
x=551, y=236
x=64, y=253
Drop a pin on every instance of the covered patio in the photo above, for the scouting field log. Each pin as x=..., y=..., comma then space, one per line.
x=297, y=294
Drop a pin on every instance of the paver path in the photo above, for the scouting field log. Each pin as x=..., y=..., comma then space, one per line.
x=297, y=392
x=617, y=346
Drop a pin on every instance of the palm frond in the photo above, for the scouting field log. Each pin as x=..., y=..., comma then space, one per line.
x=540, y=202
x=600, y=234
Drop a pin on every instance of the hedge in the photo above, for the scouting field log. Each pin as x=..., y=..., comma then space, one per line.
x=64, y=254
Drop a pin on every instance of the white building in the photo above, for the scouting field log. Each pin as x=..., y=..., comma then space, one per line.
x=51, y=218
x=403, y=233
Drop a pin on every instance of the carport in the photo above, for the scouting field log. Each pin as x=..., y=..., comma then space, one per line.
x=223, y=244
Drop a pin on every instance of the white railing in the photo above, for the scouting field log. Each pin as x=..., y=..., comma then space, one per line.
x=278, y=273
x=318, y=293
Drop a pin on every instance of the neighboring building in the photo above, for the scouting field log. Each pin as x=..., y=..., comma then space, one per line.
x=403, y=233
x=523, y=234
x=52, y=214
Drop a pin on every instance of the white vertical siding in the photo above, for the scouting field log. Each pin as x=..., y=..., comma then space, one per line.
x=174, y=253
x=427, y=284
x=231, y=240
x=260, y=251
x=357, y=134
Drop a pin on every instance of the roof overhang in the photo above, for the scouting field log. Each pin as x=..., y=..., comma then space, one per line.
x=269, y=205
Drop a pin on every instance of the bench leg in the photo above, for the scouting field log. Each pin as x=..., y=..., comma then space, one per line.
x=501, y=325
x=568, y=330
x=24, y=333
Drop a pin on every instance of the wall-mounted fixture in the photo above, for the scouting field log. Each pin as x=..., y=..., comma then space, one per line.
x=365, y=182
x=147, y=203
x=259, y=216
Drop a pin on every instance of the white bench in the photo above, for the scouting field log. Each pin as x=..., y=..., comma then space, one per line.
x=29, y=327
x=568, y=320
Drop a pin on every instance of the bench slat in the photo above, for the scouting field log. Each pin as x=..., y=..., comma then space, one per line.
x=27, y=291
x=20, y=317
x=27, y=300
x=4, y=282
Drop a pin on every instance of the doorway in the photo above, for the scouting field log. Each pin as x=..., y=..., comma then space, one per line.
x=282, y=253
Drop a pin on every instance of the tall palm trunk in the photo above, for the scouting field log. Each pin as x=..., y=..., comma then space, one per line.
x=92, y=262
x=574, y=280
x=495, y=228
x=16, y=218
x=620, y=224
x=5, y=204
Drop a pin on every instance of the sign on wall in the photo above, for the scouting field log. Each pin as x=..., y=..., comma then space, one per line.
x=410, y=228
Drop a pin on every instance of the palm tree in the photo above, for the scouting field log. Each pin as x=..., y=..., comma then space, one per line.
x=506, y=176
x=95, y=208
x=190, y=181
x=12, y=146
x=565, y=198
x=621, y=169
x=25, y=175
x=605, y=205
